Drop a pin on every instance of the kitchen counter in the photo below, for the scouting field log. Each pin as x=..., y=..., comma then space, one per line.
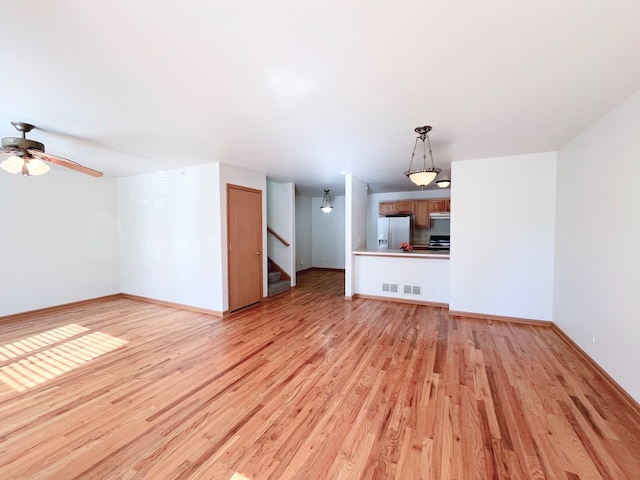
x=401, y=253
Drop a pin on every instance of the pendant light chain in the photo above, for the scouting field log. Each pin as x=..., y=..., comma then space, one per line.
x=424, y=151
x=415, y=145
x=433, y=165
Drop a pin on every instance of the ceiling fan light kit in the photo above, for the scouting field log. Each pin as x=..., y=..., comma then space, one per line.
x=425, y=175
x=28, y=158
x=32, y=166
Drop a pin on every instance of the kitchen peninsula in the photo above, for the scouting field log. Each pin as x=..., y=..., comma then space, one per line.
x=417, y=276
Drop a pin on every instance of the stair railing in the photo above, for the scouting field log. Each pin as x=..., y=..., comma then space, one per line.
x=282, y=240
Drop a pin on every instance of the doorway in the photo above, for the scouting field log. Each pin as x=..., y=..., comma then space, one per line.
x=244, y=246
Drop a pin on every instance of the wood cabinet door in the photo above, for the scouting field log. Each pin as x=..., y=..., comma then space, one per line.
x=437, y=205
x=387, y=208
x=447, y=205
x=404, y=206
x=422, y=214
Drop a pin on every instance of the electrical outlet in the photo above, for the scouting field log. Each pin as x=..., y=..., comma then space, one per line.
x=301, y=262
x=592, y=337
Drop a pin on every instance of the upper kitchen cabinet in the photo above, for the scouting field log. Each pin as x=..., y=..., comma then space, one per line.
x=439, y=205
x=419, y=208
x=396, y=208
x=404, y=206
x=387, y=208
x=422, y=214
x=422, y=209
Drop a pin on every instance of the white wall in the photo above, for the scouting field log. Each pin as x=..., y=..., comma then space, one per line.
x=502, y=231
x=174, y=233
x=281, y=219
x=304, y=237
x=355, y=226
x=59, y=239
x=328, y=233
x=419, y=235
x=597, y=270
x=171, y=241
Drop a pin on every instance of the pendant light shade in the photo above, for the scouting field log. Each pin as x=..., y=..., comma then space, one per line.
x=443, y=180
x=326, y=206
x=425, y=175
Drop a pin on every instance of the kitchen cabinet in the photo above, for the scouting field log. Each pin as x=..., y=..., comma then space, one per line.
x=387, y=208
x=404, y=206
x=438, y=205
x=396, y=208
x=422, y=214
x=419, y=208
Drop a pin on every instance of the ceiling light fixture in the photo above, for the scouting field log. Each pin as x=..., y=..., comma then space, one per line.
x=27, y=156
x=326, y=202
x=443, y=180
x=425, y=175
x=27, y=166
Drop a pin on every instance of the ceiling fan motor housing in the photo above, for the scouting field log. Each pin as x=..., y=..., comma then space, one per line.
x=21, y=144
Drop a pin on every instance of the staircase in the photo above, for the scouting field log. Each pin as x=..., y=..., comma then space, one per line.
x=277, y=284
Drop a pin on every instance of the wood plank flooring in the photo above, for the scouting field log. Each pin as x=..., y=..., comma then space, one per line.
x=305, y=386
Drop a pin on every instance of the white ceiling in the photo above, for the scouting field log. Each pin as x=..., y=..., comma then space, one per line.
x=305, y=90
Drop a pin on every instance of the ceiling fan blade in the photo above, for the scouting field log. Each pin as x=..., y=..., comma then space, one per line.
x=63, y=162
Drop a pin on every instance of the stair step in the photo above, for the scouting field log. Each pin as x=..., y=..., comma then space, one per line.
x=274, y=277
x=278, y=287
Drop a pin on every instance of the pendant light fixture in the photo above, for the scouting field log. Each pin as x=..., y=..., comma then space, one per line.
x=326, y=206
x=425, y=175
x=443, y=180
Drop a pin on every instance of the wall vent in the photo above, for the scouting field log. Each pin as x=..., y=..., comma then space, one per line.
x=385, y=287
x=407, y=289
x=416, y=290
x=394, y=287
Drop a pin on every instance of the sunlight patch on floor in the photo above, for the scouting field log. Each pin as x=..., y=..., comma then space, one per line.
x=239, y=476
x=48, y=363
x=29, y=344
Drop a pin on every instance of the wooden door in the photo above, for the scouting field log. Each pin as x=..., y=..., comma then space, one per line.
x=244, y=246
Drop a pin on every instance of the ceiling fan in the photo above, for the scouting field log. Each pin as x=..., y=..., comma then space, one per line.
x=28, y=157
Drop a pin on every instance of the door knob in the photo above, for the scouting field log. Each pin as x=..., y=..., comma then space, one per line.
x=257, y=253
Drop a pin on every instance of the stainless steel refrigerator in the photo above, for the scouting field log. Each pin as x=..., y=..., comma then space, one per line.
x=392, y=231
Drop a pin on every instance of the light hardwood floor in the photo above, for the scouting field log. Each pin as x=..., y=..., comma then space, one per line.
x=306, y=386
